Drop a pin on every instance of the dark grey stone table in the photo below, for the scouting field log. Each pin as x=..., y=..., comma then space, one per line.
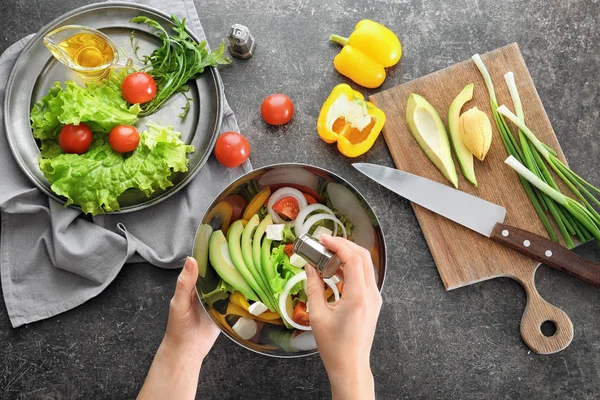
x=463, y=344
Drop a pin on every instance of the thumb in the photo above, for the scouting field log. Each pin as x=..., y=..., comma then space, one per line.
x=185, y=284
x=314, y=289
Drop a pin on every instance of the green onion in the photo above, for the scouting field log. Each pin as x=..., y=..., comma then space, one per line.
x=576, y=209
x=561, y=169
x=513, y=149
x=571, y=217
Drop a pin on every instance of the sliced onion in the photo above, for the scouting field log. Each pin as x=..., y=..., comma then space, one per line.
x=281, y=193
x=346, y=203
x=304, y=213
x=316, y=218
x=286, y=291
x=289, y=176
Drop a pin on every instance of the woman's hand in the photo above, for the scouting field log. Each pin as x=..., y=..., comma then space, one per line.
x=189, y=330
x=189, y=337
x=344, y=330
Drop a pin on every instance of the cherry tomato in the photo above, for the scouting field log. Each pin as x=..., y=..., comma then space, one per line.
x=287, y=207
x=277, y=109
x=300, y=315
x=232, y=149
x=75, y=139
x=138, y=87
x=124, y=138
x=238, y=204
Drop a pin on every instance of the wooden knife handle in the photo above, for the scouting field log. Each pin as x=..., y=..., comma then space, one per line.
x=547, y=252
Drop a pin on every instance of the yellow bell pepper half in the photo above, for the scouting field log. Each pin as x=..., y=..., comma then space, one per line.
x=351, y=121
x=369, y=49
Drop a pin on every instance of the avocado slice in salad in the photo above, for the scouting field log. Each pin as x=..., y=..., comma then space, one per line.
x=218, y=253
x=235, y=250
x=201, y=248
x=247, y=236
x=428, y=130
x=256, y=244
x=463, y=155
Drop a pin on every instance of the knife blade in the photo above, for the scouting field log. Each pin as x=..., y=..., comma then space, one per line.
x=481, y=216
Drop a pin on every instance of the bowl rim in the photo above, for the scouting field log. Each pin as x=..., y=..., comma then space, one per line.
x=280, y=165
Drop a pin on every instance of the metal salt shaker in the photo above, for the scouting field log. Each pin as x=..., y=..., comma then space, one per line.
x=241, y=42
x=324, y=260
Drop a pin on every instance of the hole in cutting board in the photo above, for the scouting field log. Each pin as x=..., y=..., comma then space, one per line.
x=548, y=328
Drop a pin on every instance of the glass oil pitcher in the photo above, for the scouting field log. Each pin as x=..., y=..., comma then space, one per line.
x=88, y=52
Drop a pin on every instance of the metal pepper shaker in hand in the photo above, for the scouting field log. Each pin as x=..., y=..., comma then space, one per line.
x=241, y=42
x=324, y=260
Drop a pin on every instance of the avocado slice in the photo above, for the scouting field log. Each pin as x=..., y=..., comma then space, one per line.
x=256, y=244
x=247, y=236
x=218, y=253
x=463, y=155
x=428, y=130
x=200, y=251
x=235, y=250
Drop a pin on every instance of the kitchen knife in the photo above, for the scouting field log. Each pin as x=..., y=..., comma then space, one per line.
x=483, y=217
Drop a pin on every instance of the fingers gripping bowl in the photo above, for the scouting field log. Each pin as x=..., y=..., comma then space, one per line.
x=250, y=282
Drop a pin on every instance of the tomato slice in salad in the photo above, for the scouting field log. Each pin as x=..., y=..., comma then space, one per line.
x=289, y=249
x=309, y=199
x=287, y=207
x=300, y=315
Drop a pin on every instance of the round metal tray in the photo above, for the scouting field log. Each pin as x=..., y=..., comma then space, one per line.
x=36, y=70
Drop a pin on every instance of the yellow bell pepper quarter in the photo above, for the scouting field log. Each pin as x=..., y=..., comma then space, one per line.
x=369, y=49
x=351, y=121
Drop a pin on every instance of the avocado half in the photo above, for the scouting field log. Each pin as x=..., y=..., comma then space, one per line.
x=428, y=130
x=463, y=155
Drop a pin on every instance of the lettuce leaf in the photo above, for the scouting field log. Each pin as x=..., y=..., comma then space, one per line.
x=284, y=271
x=95, y=179
x=288, y=234
x=100, y=105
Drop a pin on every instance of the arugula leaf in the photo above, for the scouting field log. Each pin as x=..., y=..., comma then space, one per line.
x=95, y=179
x=99, y=104
x=178, y=60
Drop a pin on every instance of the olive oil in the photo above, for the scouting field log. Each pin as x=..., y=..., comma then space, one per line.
x=86, y=51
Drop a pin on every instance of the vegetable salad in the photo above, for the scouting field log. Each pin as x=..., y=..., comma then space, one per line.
x=247, y=238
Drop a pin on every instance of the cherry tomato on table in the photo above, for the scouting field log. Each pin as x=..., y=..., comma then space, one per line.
x=277, y=109
x=124, y=138
x=75, y=139
x=232, y=149
x=138, y=87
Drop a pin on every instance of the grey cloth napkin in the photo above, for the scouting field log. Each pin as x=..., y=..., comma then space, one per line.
x=53, y=259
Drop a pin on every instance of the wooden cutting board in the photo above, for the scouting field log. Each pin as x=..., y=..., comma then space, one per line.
x=462, y=256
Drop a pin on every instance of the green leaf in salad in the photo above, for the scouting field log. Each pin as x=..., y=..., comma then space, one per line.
x=95, y=179
x=99, y=104
x=221, y=292
x=263, y=212
x=287, y=234
x=178, y=60
x=284, y=271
